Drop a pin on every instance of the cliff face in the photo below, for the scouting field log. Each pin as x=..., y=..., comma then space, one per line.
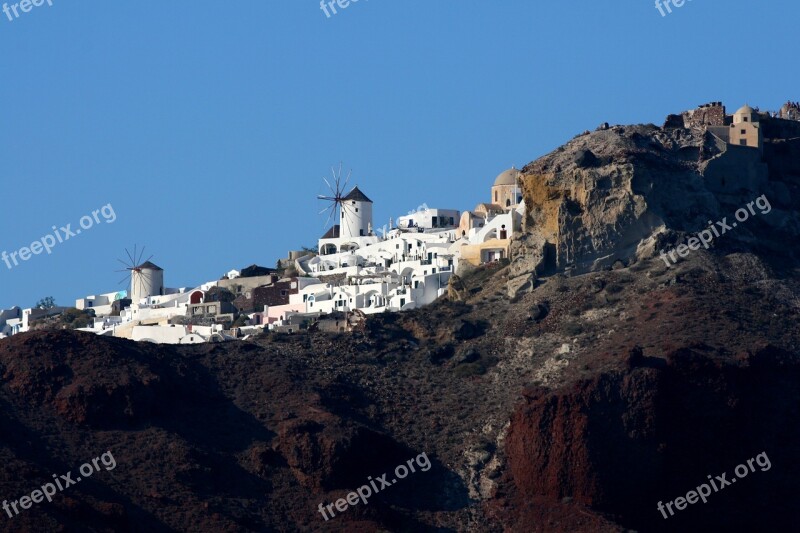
x=577, y=403
x=623, y=441
x=620, y=193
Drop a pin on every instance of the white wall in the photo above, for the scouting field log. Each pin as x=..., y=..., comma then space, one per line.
x=355, y=219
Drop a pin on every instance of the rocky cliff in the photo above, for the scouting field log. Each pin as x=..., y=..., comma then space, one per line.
x=621, y=192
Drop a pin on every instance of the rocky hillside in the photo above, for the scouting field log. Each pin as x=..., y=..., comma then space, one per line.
x=622, y=192
x=570, y=389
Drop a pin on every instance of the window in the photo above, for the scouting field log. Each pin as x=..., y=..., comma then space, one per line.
x=284, y=292
x=744, y=132
x=495, y=196
x=746, y=119
x=356, y=210
x=743, y=142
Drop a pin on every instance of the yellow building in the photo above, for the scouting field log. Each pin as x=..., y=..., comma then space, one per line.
x=486, y=232
x=746, y=129
x=506, y=191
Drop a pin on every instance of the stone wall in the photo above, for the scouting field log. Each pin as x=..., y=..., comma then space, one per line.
x=712, y=114
x=777, y=128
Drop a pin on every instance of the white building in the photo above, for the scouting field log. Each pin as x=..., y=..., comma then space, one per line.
x=102, y=304
x=10, y=322
x=428, y=218
x=176, y=334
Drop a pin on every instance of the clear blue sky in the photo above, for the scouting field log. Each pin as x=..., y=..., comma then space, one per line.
x=208, y=125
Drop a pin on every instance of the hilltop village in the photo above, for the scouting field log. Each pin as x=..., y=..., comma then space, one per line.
x=355, y=271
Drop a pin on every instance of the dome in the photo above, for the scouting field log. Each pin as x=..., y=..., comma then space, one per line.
x=509, y=177
x=745, y=114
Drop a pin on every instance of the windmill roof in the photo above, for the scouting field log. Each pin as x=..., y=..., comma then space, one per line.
x=149, y=266
x=357, y=195
x=332, y=233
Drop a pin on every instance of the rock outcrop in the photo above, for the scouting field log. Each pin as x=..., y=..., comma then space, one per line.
x=607, y=195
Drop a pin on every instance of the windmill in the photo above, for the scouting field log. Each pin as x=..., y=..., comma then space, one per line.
x=145, y=278
x=336, y=207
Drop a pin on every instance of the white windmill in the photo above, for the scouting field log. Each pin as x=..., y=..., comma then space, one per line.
x=146, y=278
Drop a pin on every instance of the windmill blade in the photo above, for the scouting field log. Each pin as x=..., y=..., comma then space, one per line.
x=134, y=255
x=148, y=259
x=141, y=254
x=126, y=265
x=327, y=183
x=133, y=263
x=124, y=279
x=344, y=187
x=338, y=192
x=330, y=216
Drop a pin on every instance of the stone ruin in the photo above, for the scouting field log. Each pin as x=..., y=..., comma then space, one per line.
x=711, y=114
x=790, y=111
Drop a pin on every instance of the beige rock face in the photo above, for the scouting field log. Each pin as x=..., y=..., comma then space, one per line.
x=628, y=192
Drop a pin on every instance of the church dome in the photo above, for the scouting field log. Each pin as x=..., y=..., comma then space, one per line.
x=745, y=114
x=509, y=177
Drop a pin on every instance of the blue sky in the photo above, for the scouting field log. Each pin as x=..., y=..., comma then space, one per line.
x=209, y=125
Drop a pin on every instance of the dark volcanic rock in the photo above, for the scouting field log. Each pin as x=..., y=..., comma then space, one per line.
x=622, y=442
